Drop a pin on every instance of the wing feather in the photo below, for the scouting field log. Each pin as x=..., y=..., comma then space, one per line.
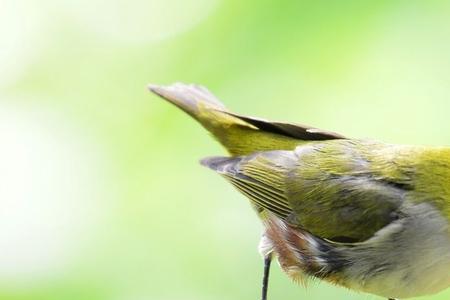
x=259, y=178
x=327, y=189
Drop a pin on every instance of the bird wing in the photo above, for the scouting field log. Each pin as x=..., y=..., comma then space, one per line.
x=297, y=131
x=327, y=189
x=260, y=177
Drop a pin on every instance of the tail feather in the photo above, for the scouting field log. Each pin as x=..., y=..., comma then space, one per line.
x=188, y=97
x=241, y=135
x=204, y=107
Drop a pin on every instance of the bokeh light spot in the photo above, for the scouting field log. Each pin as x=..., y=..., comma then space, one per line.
x=49, y=196
x=135, y=22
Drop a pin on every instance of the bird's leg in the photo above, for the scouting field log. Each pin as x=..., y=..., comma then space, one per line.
x=265, y=282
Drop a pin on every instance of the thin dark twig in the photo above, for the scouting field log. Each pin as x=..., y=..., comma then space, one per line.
x=265, y=282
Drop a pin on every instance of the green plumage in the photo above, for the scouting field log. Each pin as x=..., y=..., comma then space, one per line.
x=339, y=189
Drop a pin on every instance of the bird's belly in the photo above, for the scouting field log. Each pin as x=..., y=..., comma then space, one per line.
x=409, y=282
x=404, y=260
x=408, y=258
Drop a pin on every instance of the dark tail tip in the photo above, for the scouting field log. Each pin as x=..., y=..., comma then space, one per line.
x=220, y=164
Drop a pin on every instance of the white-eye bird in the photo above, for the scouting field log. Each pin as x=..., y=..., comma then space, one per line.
x=366, y=215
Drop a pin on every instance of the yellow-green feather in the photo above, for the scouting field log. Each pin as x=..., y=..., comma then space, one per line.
x=236, y=135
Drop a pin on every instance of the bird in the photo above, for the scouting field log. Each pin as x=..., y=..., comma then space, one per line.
x=369, y=216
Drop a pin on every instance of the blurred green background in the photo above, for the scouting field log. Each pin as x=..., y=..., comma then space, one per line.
x=102, y=196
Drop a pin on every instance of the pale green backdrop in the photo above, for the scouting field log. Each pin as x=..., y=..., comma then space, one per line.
x=101, y=193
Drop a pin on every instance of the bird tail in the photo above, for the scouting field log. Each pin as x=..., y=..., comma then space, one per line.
x=198, y=102
x=240, y=135
x=191, y=98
